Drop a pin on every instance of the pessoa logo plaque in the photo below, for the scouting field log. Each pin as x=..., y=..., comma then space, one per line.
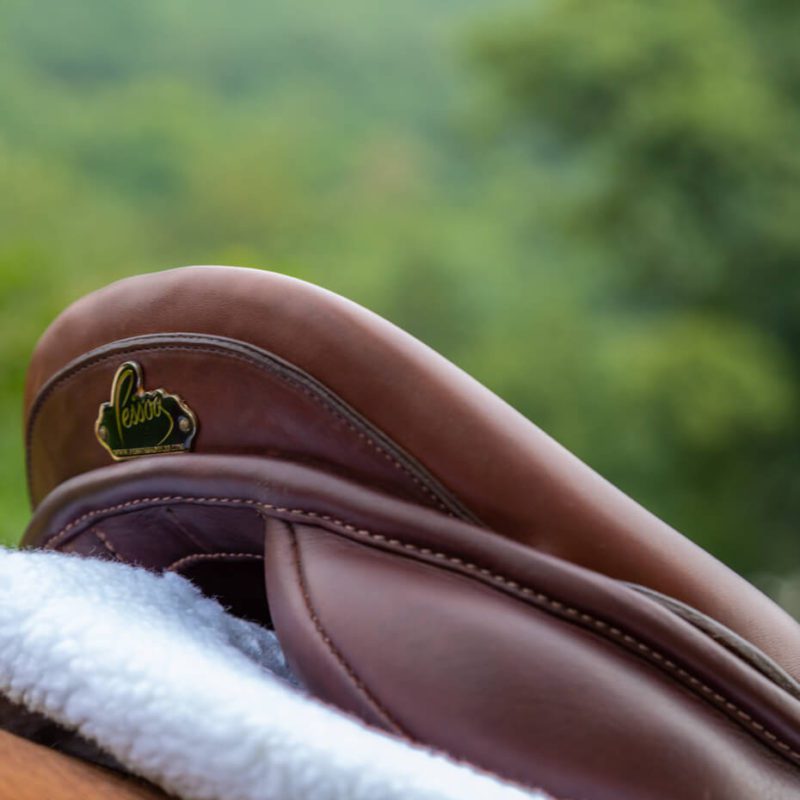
x=136, y=422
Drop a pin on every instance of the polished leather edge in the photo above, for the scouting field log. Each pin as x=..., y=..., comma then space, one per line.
x=728, y=638
x=274, y=364
x=293, y=492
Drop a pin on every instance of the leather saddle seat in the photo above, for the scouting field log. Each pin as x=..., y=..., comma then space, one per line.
x=431, y=561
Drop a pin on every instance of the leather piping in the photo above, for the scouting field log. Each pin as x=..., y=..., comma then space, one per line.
x=525, y=593
x=727, y=638
x=220, y=556
x=269, y=362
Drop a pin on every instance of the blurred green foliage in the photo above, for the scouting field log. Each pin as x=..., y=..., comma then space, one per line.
x=592, y=207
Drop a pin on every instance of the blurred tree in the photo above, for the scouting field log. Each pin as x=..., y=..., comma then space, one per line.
x=619, y=261
x=665, y=135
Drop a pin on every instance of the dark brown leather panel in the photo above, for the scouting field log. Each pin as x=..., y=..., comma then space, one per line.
x=510, y=474
x=220, y=551
x=525, y=694
x=162, y=537
x=670, y=646
x=236, y=581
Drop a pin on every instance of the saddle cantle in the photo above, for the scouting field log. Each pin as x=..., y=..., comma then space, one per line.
x=434, y=563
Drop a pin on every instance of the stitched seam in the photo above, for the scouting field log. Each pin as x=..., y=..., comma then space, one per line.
x=563, y=610
x=221, y=556
x=268, y=367
x=355, y=681
x=107, y=544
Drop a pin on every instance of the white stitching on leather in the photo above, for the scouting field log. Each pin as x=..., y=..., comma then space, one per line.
x=209, y=556
x=107, y=544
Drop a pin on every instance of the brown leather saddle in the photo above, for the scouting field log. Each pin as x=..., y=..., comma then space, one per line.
x=431, y=561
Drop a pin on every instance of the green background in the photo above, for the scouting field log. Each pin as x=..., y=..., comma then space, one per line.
x=592, y=207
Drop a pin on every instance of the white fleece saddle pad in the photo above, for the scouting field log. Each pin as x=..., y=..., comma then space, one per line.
x=191, y=698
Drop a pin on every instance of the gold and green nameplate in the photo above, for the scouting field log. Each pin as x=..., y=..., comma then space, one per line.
x=136, y=422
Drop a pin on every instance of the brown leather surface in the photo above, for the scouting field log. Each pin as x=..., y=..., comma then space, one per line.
x=509, y=474
x=31, y=772
x=452, y=635
x=246, y=401
x=435, y=564
x=521, y=693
